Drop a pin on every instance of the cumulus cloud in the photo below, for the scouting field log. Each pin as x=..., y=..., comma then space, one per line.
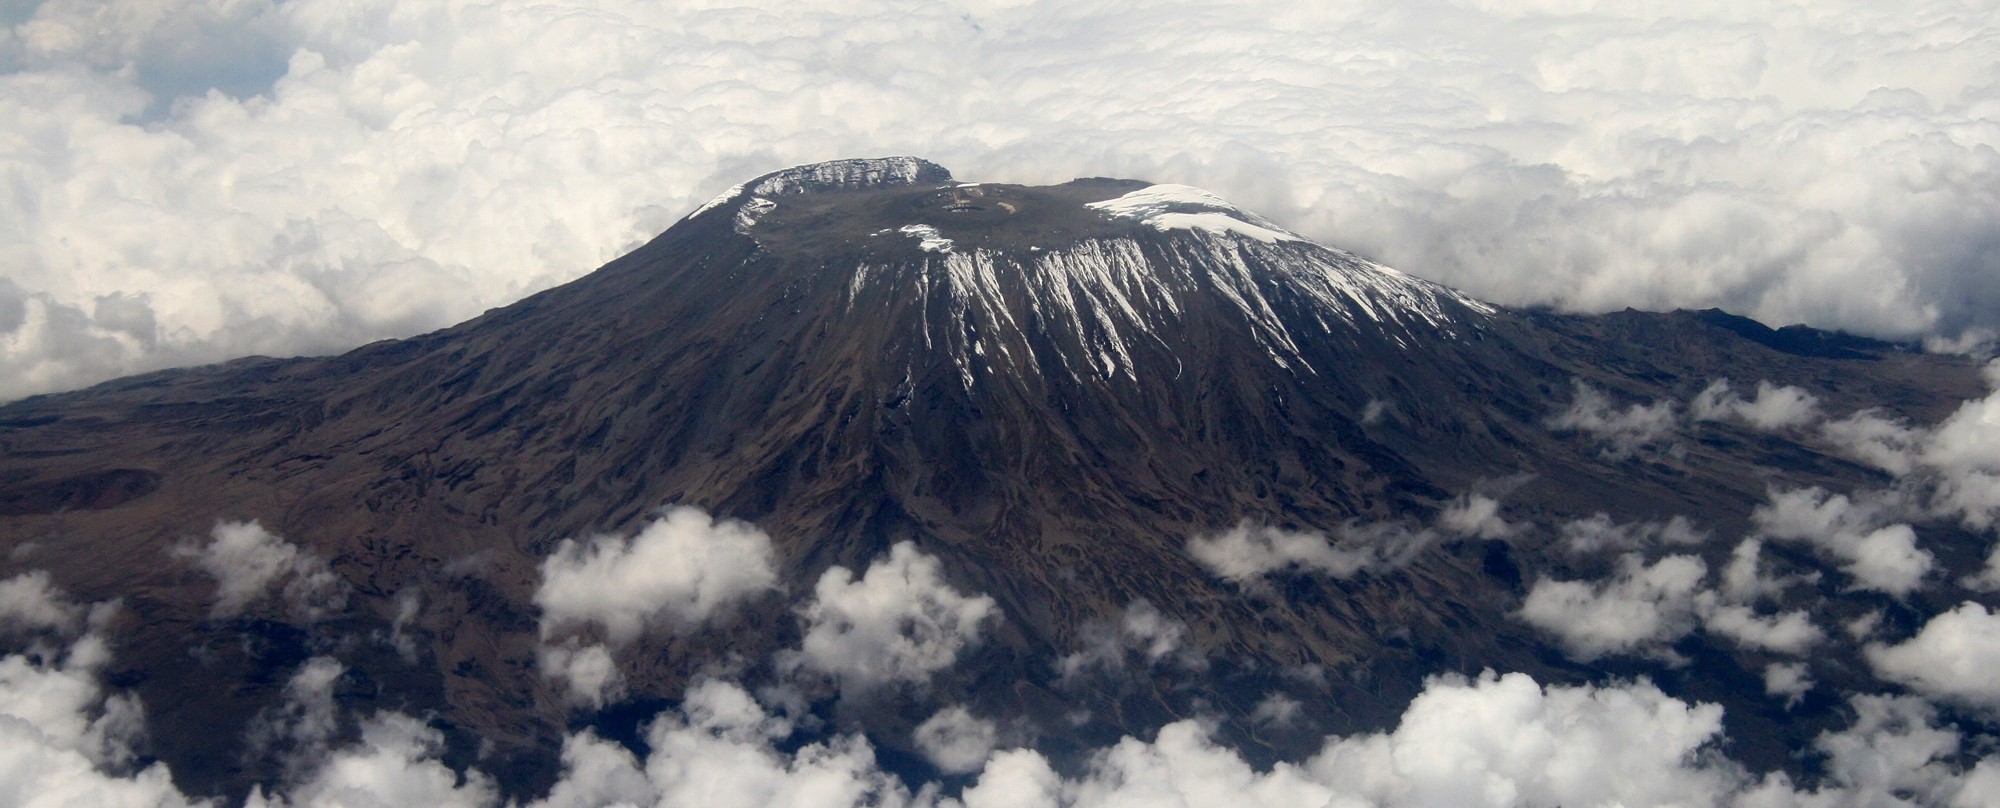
x=720, y=749
x=301, y=727
x=206, y=178
x=680, y=571
x=1474, y=516
x=1792, y=632
x=1249, y=552
x=1276, y=710
x=1775, y=408
x=1954, y=461
x=396, y=762
x=1642, y=608
x=901, y=622
x=1639, y=609
x=588, y=671
x=63, y=738
x=1952, y=657
x=247, y=562
x=1599, y=533
x=1623, y=432
x=1879, y=556
x=1788, y=679
x=1140, y=634
x=955, y=740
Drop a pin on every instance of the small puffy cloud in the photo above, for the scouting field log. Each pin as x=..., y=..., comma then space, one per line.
x=900, y=622
x=1017, y=778
x=1623, y=432
x=680, y=570
x=301, y=727
x=249, y=562
x=955, y=740
x=1600, y=533
x=1643, y=609
x=1792, y=632
x=1876, y=439
x=587, y=671
x=1964, y=450
x=1247, y=552
x=396, y=762
x=1744, y=581
x=1790, y=680
x=719, y=750
x=1140, y=633
x=1953, y=657
x=1893, y=754
x=63, y=739
x=1276, y=710
x=1474, y=516
x=1879, y=556
x=1639, y=610
x=1505, y=741
x=1774, y=409
x=1988, y=577
x=31, y=602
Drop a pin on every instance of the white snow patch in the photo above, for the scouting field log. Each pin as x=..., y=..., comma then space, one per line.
x=719, y=201
x=747, y=216
x=927, y=237
x=1184, y=207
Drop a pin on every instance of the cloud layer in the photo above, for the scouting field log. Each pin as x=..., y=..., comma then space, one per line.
x=192, y=180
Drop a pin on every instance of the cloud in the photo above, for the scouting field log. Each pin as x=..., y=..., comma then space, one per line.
x=1789, y=633
x=681, y=570
x=63, y=739
x=720, y=749
x=301, y=728
x=396, y=762
x=1623, y=433
x=1276, y=710
x=901, y=622
x=1954, y=462
x=1640, y=609
x=1249, y=552
x=1879, y=556
x=363, y=170
x=1952, y=657
x=588, y=671
x=1599, y=533
x=1140, y=633
x=247, y=561
x=1474, y=516
x=1788, y=679
x=955, y=740
x=1776, y=408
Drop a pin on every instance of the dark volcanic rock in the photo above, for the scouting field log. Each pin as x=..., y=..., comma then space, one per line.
x=1051, y=397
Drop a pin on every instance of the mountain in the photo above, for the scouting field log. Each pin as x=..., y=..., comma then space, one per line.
x=1055, y=391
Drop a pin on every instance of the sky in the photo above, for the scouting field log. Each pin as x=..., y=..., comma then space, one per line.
x=188, y=181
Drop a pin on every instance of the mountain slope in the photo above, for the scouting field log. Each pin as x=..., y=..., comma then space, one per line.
x=1053, y=390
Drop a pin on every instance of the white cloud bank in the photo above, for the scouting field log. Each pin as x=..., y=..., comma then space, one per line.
x=372, y=168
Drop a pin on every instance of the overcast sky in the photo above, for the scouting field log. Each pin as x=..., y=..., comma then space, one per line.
x=192, y=180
